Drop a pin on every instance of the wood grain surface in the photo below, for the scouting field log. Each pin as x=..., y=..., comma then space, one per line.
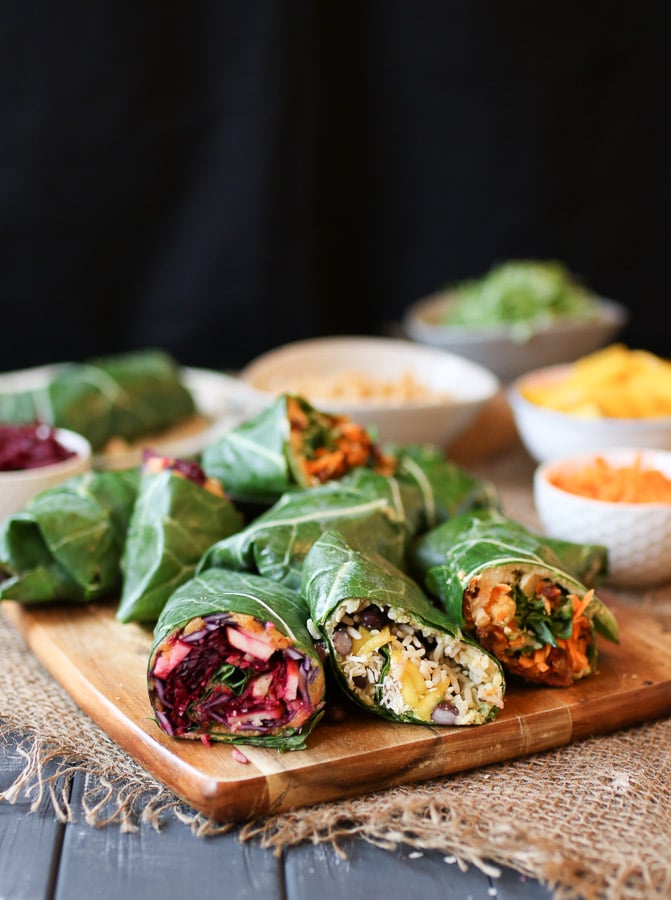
x=102, y=663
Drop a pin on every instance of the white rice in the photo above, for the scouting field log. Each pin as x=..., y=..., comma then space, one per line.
x=475, y=682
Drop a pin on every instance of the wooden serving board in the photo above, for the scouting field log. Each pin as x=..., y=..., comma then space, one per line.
x=102, y=665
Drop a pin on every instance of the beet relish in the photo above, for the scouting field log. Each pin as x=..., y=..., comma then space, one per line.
x=30, y=446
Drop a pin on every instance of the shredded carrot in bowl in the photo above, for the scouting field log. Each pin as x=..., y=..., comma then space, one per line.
x=599, y=480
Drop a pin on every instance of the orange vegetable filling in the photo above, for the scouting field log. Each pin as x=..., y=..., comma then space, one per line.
x=350, y=446
x=495, y=629
x=599, y=480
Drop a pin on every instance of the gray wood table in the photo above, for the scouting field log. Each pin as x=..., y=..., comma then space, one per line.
x=41, y=859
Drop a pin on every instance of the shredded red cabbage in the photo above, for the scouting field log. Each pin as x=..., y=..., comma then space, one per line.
x=193, y=698
x=186, y=467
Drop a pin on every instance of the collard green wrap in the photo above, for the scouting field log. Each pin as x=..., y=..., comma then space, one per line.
x=67, y=543
x=289, y=445
x=508, y=587
x=175, y=519
x=443, y=488
x=587, y=563
x=232, y=661
x=275, y=544
x=128, y=396
x=392, y=650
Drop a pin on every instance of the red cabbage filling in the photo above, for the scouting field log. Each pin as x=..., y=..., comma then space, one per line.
x=154, y=462
x=211, y=681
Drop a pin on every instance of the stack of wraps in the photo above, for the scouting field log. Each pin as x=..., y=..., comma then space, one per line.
x=382, y=512
x=213, y=672
x=518, y=593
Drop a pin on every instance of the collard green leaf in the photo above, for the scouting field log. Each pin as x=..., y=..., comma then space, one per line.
x=342, y=580
x=174, y=521
x=221, y=590
x=588, y=563
x=446, y=488
x=275, y=544
x=214, y=687
x=470, y=529
x=251, y=459
x=431, y=487
x=67, y=543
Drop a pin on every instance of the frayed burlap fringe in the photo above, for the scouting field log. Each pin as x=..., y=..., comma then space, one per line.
x=592, y=820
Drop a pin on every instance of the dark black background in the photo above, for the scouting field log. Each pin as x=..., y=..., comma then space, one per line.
x=219, y=177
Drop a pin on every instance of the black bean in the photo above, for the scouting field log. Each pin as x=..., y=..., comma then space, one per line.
x=342, y=641
x=373, y=617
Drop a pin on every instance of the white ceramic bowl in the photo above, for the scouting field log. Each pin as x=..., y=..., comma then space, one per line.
x=18, y=487
x=455, y=388
x=549, y=434
x=637, y=535
x=499, y=350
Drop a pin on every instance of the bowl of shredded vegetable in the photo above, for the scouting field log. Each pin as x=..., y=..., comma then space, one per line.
x=35, y=457
x=614, y=397
x=519, y=316
x=619, y=498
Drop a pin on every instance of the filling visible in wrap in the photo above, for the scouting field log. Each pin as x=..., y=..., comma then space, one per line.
x=230, y=674
x=326, y=447
x=153, y=463
x=426, y=674
x=535, y=626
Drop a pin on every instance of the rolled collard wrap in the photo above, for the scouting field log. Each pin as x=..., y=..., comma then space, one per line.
x=507, y=587
x=289, y=445
x=126, y=396
x=391, y=650
x=275, y=544
x=232, y=661
x=178, y=514
x=67, y=543
x=587, y=563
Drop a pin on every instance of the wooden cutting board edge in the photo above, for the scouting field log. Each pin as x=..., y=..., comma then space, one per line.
x=362, y=754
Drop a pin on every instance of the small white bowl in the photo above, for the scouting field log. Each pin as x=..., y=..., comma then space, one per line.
x=497, y=347
x=18, y=487
x=637, y=535
x=549, y=434
x=455, y=388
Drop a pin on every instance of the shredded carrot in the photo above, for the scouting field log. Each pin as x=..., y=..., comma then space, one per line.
x=576, y=645
x=579, y=606
x=599, y=480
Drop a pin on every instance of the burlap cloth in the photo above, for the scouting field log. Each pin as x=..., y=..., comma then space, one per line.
x=591, y=820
